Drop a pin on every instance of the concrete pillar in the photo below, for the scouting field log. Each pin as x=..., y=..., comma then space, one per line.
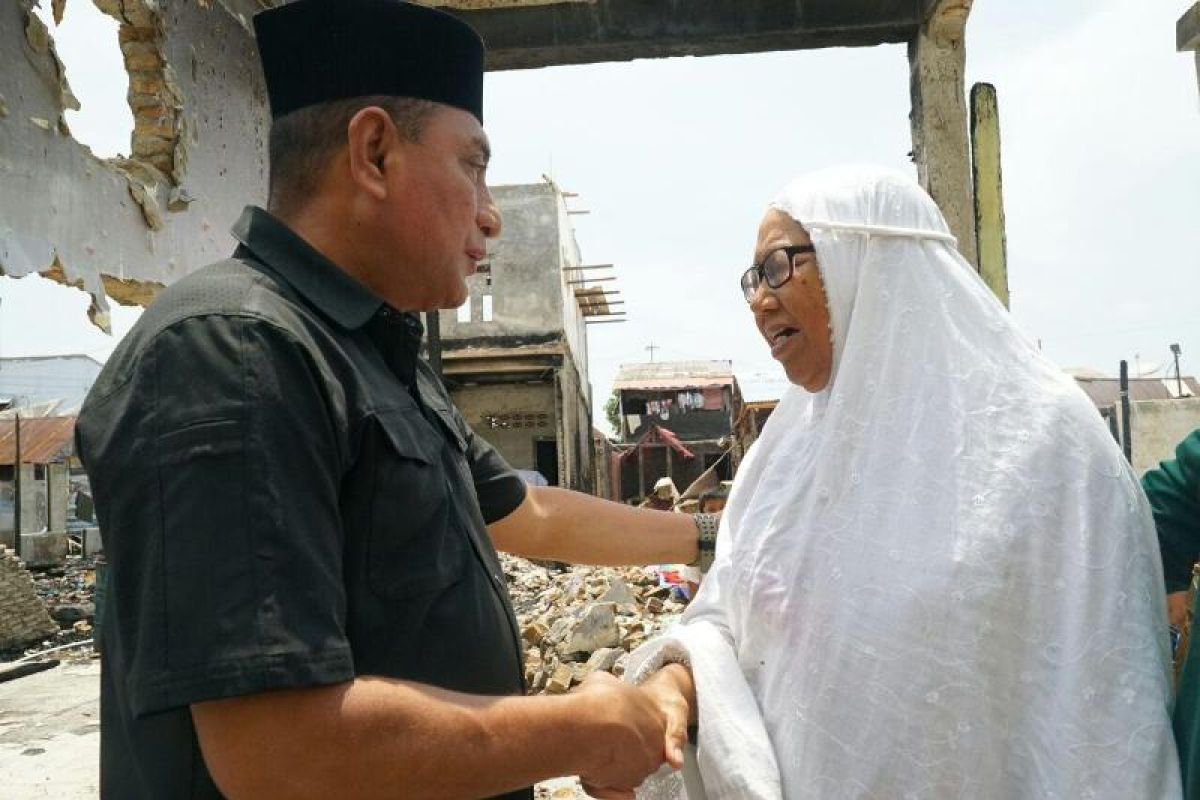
x=989, y=189
x=936, y=58
x=8, y=504
x=32, y=500
x=58, y=484
x=1187, y=34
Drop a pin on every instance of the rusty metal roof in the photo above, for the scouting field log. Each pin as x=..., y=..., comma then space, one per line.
x=674, y=375
x=43, y=440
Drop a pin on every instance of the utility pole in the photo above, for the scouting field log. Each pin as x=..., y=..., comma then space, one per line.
x=652, y=347
x=1178, y=378
x=1126, y=445
x=17, y=488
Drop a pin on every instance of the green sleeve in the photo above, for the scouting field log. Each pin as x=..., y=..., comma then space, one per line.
x=1174, y=493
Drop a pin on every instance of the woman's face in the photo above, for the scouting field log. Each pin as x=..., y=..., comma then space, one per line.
x=794, y=319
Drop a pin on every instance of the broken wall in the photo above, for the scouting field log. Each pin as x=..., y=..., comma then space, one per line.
x=511, y=417
x=23, y=617
x=123, y=228
x=526, y=273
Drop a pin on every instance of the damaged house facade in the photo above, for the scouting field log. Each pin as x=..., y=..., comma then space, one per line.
x=44, y=452
x=676, y=420
x=515, y=355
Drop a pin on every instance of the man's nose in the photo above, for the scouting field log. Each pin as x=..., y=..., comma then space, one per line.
x=489, y=219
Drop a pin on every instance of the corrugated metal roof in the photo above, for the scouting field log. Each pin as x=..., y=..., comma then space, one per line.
x=1105, y=392
x=43, y=440
x=674, y=375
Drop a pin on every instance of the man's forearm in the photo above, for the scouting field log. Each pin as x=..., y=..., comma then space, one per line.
x=570, y=526
x=376, y=737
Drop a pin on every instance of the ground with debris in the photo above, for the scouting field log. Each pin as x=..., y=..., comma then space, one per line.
x=574, y=620
x=68, y=593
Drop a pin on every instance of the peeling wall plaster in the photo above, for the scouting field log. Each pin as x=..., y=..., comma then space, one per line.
x=122, y=228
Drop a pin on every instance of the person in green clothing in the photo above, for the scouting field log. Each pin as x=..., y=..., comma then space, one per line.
x=1174, y=493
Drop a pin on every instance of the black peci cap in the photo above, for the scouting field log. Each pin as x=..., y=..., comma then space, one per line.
x=315, y=51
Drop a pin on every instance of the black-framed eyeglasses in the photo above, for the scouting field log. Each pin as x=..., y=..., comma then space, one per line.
x=776, y=268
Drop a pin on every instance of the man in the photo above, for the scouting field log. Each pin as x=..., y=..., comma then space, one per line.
x=304, y=596
x=1173, y=489
x=712, y=501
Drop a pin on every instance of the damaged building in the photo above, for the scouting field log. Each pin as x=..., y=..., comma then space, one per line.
x=676, y=421
x=515, y=355
x=122, y=228
x=36, y=456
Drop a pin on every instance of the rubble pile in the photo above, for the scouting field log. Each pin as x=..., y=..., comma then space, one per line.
x=577, y=620
x=68, y=593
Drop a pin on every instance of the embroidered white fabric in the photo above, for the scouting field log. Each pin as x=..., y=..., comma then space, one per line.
x=937, y=578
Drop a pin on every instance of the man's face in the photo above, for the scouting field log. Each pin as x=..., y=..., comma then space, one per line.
x=794, y=319
x=438, y=213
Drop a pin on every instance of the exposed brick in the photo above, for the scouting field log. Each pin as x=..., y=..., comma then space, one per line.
x=23, y=617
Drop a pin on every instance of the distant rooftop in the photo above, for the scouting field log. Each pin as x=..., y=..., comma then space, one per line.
x=674, y=375
x=43, y=440
x=64, y=357
x=1105, y=391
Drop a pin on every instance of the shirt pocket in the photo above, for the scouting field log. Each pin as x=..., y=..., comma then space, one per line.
x=414, y=546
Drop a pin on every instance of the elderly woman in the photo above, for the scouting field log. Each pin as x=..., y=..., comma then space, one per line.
x=936, y=575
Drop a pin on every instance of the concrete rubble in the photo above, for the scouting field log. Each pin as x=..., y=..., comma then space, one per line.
x=67, y=601
x=577, y=620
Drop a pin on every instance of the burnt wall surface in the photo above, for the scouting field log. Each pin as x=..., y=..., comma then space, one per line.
x=520, y=36
x=125, y=227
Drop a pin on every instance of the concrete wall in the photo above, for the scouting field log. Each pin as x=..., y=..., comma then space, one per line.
x=124, y=227
x=44, y=505
x=1157, y=427
x=35, y=502
x=577, y=449
x=7, y=507
x=573, y=323
x=492, y=411
x=58, y=491
x=526, y=272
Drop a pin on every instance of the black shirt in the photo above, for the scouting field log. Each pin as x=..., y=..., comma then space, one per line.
x=287, y=498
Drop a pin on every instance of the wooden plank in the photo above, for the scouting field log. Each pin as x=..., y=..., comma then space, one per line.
x=941, y=148
x=989, y=189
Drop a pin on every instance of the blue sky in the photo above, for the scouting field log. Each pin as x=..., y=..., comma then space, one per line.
x=676, y=159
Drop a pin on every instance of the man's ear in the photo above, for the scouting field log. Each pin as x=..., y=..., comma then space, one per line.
x=371, y=136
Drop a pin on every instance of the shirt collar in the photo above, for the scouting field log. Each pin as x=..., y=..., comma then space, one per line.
x=325, y=285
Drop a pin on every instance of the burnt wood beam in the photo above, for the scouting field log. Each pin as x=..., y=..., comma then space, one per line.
x=527, y=37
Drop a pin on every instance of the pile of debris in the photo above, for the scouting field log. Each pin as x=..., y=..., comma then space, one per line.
x=576, y=620
x=68, y=594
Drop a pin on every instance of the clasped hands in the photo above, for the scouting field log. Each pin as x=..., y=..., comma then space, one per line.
x=642, y=727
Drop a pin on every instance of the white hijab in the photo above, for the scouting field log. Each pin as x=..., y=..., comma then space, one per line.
x=938, y=577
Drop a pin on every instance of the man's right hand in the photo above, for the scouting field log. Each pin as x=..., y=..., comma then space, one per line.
x=638, y=728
